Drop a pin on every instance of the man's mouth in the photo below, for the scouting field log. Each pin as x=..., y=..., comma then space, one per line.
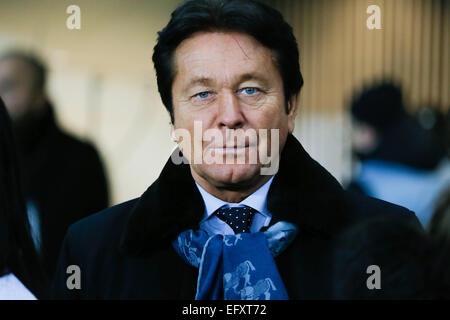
x=231, y=146
x=230, y=149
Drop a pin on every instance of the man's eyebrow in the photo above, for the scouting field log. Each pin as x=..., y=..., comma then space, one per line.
x=199, y=81
x=253, y=76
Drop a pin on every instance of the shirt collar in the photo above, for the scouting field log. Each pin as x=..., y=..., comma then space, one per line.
x=257, y=200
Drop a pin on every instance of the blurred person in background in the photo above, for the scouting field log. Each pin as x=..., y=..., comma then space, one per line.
x=431, y=118
x=400, y=161
x=440, y=222
x=63, y=178
x=21, y=275
x=410, y=264
x=439, y=230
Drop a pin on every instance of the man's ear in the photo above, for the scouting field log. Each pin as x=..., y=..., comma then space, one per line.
x=292, y=111
x=173, y=137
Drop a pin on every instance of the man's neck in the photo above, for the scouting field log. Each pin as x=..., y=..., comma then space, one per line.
x=230, y=194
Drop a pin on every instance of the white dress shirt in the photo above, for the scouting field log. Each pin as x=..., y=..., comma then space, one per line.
x=12, y=289
x=257, y=200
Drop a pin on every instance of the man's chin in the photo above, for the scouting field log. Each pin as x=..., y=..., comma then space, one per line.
x=234, y=176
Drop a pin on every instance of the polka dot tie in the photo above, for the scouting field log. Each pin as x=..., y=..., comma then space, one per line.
x=238, y=218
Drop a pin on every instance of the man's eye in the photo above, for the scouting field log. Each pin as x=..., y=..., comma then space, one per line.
x=203, y=95
x=249, y=91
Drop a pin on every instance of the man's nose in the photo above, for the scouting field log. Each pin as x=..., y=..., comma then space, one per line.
x=229, y=112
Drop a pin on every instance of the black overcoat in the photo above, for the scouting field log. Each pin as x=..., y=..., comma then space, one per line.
x=125, y=252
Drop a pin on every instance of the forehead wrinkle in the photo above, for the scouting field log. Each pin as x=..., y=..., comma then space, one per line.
x=242, y=49
x=273, y=55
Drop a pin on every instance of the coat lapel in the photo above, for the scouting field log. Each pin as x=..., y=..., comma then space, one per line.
x=302, y=192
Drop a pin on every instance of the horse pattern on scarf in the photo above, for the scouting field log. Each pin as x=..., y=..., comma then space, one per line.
x=229, y=266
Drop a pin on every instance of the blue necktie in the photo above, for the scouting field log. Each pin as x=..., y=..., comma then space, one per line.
x=238, y=218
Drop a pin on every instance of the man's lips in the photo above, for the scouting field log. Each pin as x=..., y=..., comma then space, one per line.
x=229, y=149
x=230, y=146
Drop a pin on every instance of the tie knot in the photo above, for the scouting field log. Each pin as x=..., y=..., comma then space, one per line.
x=238, y=218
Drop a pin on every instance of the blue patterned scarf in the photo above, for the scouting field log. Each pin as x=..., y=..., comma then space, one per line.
x=237, y=267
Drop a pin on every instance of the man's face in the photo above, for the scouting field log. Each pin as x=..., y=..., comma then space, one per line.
x=228, y=81
x=17, y=88
x=364, y=138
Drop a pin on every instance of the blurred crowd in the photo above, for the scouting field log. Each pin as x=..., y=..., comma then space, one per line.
x=401, y=158
x=48, y=178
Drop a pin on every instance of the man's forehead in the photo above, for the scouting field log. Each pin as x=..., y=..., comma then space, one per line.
x=204, y=47
x=15, y=66
x=208, y=55
x=212, y=39
x=208, y=80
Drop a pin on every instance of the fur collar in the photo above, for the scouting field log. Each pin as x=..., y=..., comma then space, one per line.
x=302, y=192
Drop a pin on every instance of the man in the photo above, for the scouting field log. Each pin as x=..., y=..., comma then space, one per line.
x=21, y=274
x=63, y=178
x=400, y=161
x=230, y=68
